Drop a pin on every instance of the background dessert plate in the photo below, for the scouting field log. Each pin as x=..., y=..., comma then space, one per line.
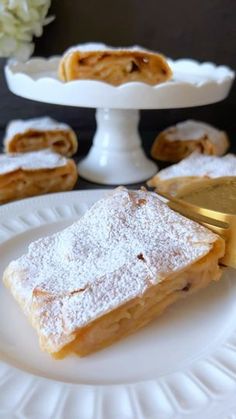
x=181, y=365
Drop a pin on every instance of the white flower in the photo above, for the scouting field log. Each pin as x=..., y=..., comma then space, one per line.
x=20, y=20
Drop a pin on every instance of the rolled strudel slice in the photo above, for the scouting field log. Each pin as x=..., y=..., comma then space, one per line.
x=39, y=133
x=111, y=272
x=113, y=65
x=177, y=142
x=36, y=173
x=196, y=167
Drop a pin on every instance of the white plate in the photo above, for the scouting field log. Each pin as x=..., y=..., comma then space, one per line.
x=193, y=84
x=181, y=365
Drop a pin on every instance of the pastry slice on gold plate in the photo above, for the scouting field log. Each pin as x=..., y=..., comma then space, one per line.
x=40, y=172
x=177, y=142
x=111, y=272
x=113, y=65
x=195, y=168
x=38, y=133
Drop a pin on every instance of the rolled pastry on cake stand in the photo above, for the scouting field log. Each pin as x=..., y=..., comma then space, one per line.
x=116, y=156
x=115, y=66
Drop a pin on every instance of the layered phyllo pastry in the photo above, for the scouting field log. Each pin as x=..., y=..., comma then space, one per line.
x=111, y=272
x=195, y=168
x=38, y=133
x=178, y=141
x=29, y=174
x=113, y=65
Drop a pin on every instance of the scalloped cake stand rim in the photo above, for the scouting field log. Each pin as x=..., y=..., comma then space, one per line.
x=194, y=84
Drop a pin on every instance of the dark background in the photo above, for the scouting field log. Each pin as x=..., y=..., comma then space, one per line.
x=204, y=30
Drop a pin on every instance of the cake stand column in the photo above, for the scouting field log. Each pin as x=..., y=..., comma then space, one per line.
x=116, y=156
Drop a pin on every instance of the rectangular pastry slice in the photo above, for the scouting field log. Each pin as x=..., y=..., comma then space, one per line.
x=113, y=65
x=196, y=167
x=40, y=172
x=111, y=272
x=38, y=133
x=179, y=141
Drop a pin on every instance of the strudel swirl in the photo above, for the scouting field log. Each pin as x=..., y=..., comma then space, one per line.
x=113, y=65
x=111, y=272
x=40, y=172
x=38, y=133
x=195, y=168
x=177, y=142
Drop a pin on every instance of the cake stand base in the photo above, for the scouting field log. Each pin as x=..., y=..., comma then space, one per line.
x=116, y=156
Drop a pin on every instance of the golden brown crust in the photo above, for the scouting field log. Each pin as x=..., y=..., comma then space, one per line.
x=60, y=141
x=138, y=312
x=176, y=150
x=172, y=186
x=195, y=168
x=22, y=183
x=75, y=313
x=114, y=66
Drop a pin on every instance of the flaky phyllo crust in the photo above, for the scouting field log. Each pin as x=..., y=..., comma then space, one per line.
x=29, y=174
x=111, y=272
x=114, y=65
x=195, y=168
x=35, y=134
x=179, y=141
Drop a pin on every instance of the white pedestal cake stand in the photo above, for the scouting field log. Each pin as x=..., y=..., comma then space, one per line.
x=116, y=156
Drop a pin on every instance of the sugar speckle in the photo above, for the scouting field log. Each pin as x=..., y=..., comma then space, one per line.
x=43, y=159
x=21, y=126
x=201, y=165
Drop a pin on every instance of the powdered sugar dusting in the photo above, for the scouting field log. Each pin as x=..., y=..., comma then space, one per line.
x=21, y=126
x=43, y=159
x=201, y=165
x=194, y=130
x=199, y=132
x=98, y=46
x=121, y=246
